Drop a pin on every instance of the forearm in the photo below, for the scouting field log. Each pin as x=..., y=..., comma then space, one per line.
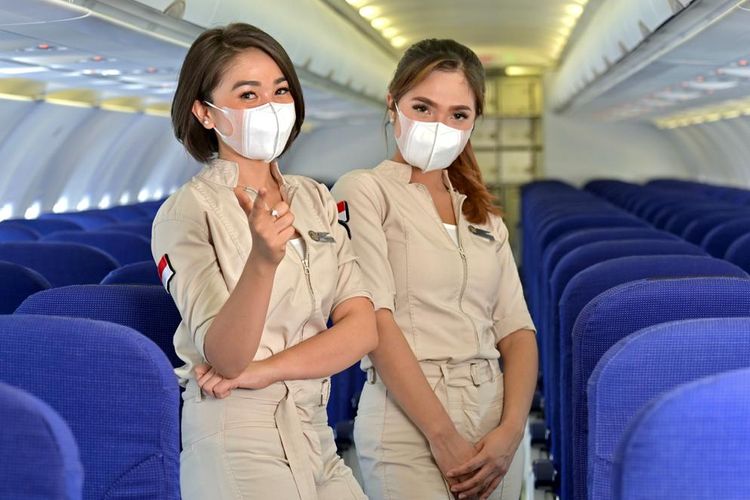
x=350, y=338
x=234, y=335
x=397, y=365
x=520, y=367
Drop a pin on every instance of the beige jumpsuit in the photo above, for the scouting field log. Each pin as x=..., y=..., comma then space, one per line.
x=274, y=442
x=453, y=303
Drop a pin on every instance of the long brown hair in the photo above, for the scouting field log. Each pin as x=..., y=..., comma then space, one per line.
x=417, y=63
x=209, y=56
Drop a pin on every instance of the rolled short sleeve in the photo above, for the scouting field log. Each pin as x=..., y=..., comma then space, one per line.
x=511, y=313
x=361, y=216
x=182, y=249
x=350, y=282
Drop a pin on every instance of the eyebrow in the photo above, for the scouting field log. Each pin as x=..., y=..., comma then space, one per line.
x=429, y=102
x=256, y=83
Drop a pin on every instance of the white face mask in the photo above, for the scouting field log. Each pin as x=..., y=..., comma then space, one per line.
x=257, y=133
x=430, y=145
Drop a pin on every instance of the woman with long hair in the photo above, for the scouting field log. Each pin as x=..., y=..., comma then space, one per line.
x=438, y=417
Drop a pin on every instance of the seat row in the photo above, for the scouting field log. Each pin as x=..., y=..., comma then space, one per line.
x=87, y=220
x=720, y=227
x=90, y=354
x=596, y=274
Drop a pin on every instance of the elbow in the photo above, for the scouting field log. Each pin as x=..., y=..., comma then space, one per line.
x=228, y=367
x=230, y=371
x=229, y=363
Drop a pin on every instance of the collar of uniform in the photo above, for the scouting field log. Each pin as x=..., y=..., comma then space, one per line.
x=402, y=173
x=226, y=173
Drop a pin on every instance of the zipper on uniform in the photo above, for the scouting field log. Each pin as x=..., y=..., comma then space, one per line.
x=306, y=269
x=462, y=253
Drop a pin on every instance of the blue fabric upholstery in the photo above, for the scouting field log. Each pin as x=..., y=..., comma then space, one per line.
x=130, y=227
x=692, y=442
x=567, y=243
x=645, y=365
x=125, y=213
x=346, y=387
x=584, y=287
x=114, y=388
x=556, y=251
x=570, y=265
x=679, y=222
x=138, y=273
x=44, y=226
x=38, y=454
x=719, y=239
x=147, y=309
x=60, y=263
x=18, y=282
x=739, y=253
x=88, y=220
x=622, y=310
x=547, y=223
x=700, y=227
x=126, y=248
x=570, y=241
x=559, y=226
x=15, y=232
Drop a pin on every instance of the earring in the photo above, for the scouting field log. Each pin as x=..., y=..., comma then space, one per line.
x=205, y=121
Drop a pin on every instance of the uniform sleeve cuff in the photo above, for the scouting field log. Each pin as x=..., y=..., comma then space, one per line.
x=351, y=295
x=512, y=324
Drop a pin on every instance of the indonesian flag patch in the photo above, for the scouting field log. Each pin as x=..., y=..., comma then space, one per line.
x=166, y=271
x=343, y=208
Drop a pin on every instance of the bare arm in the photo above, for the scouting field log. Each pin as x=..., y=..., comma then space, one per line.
x=397, y=365
x=351, y=337
x=331, y=351
x=234, y=335
x=520, y=368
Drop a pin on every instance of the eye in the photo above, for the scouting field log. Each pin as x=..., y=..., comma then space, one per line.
x=247, y=95
x=460, y=116
x=419, y=108
x=282, y=91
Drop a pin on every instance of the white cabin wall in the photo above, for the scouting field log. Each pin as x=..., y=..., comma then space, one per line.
x=717, y=153
x=580, y=149
x=52, y=151
x=328, y=152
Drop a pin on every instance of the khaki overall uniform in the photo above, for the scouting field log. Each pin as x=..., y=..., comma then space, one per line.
x=273, y=442
x=453, y=302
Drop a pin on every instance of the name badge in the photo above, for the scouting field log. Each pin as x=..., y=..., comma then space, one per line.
x=482, y=233
x=321, y=237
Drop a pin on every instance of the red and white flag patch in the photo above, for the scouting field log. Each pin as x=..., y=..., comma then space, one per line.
x=343, y=208
x=166, y=271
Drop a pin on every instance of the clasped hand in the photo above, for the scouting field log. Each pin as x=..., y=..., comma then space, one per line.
x=480, y=474
x=257, y=375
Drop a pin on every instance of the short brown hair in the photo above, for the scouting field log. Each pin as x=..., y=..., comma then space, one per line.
x=415, y=65
x=205, y=64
